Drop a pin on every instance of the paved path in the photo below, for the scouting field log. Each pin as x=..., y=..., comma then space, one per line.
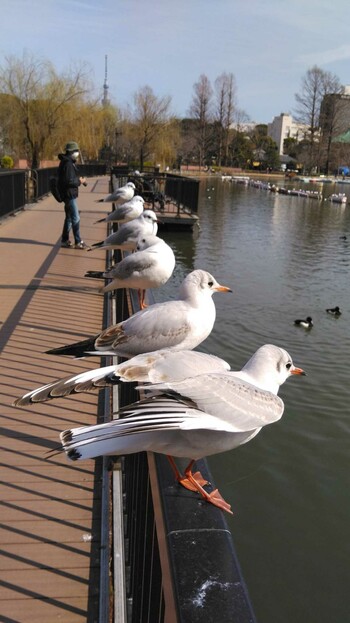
x=49, y=522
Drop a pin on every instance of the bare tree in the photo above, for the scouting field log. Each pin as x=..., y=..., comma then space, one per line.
x=200, y=110
x=150, y=117
x=225, y=89
x=39, y=100
x=314, y=86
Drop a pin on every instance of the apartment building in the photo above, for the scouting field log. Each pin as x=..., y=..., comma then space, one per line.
x=283, y=127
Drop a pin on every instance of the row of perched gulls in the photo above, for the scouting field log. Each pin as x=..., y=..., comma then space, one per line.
x=307, y=323
x=152, y=261
x=194, y=404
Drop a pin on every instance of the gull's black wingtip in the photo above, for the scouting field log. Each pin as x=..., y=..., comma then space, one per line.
x=78, y=349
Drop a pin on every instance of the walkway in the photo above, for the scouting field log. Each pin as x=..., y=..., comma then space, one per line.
x=49, y=526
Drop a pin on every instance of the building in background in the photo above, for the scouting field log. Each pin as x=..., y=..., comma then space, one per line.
x=335, y=112
x=283, y=127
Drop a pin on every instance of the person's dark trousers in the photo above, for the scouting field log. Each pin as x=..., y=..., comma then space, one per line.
x=72, y=221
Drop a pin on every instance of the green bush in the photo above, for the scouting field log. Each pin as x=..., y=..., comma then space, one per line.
x=6, y=162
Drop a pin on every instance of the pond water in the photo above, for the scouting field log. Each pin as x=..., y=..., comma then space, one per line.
x=284, y=258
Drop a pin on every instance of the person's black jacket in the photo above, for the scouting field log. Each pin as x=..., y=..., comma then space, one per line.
x=68, y=177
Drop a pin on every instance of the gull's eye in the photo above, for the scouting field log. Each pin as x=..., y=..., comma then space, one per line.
x=210, y=284
x=288, y=365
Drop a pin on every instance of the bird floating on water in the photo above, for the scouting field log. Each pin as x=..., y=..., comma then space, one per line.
x=307, y=323
x=335, y=311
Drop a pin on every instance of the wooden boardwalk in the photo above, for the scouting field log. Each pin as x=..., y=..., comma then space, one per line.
x=49, y=526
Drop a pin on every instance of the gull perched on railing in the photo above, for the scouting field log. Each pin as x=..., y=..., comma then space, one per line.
x=128, y=233
x=121, y=194
x=196, y=417
x=179, y=324
x=125, y=212
x=150, y=266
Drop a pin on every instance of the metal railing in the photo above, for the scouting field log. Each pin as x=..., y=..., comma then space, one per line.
x=42, y=176
x=180, y=560
x=182, y=191
x=13, y=191
x=19, y=188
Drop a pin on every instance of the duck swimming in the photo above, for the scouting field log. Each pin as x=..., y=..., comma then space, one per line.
x=307, y=323
x=335, y=311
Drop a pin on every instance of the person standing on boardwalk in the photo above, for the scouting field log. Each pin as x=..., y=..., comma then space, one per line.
x=68, y=184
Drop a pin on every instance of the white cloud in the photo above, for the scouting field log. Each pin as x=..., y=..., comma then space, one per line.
x=340, y=53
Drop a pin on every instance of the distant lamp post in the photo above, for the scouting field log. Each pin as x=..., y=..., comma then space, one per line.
x=118, y=133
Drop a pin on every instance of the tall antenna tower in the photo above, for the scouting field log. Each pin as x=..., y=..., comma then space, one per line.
x=105, y=99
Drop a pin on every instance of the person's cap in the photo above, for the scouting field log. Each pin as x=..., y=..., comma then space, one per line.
x=72, y=146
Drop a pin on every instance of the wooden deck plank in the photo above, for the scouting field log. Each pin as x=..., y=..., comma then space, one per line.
x=42, y=532
x=49, y=527
x=46, y=611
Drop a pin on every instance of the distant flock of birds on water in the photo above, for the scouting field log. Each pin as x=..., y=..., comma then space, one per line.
x=307, y=323
x=339, y=198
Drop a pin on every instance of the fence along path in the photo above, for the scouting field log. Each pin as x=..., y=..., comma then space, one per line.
x=49, y=526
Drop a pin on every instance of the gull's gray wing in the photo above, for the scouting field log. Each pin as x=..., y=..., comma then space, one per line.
x=231, y=400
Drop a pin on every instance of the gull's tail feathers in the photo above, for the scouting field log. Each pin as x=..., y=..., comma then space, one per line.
x=84, y=348
x=135, y=431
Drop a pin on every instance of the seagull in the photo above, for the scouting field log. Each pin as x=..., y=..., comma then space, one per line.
x=150, y=266
x=335, y=311
x=155, y=367
x=121, y=194
x=125, y=212
x=181, y=324
x=126, y=236
x=307, y=323
x=199, y=416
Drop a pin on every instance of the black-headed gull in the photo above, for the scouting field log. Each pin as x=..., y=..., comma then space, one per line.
x=179, y=324
x=196, y=417
x=121, y=194
x=128, y=233
x=125, y=212
x=150, y=266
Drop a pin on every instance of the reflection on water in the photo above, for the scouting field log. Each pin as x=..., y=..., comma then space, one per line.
x=284, y=258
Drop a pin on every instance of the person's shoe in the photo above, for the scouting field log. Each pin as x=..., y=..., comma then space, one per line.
x=67, y=244
x=81, y=245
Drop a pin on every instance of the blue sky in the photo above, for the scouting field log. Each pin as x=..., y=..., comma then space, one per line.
x=268, y=45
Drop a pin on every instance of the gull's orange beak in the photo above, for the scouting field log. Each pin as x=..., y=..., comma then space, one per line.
x=222, y=289
x=298, y=371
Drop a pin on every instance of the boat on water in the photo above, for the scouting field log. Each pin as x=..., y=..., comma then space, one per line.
x=263, y=185
x=316, y=180
x=338, y=198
